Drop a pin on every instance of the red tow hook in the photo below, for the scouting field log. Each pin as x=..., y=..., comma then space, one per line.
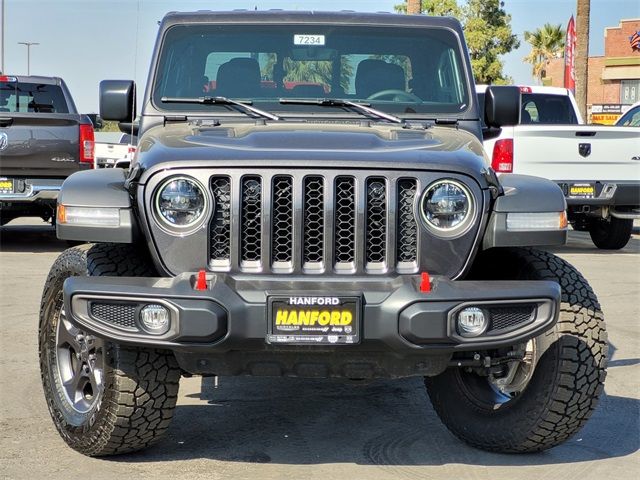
x=201, y=280
x=425, y=283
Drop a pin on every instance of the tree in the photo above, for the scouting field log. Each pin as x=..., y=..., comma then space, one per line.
x=308, y=71
x=487, y=30
x=583, y=12
x=546, y=43
x=414, y=7
x=441, y=8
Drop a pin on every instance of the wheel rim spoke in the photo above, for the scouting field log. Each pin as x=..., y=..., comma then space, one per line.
x=67, y=333
x=80, y=363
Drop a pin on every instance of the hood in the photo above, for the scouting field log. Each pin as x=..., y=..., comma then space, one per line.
x=291, y=144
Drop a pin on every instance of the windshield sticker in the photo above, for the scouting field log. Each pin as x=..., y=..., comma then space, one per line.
x=299, y=39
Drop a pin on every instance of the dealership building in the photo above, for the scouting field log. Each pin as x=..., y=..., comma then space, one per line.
x=613, y=78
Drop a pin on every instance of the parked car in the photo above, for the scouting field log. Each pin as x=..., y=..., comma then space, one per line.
x=43, y=140
x=115, y=149
x=355, y=235
x=631, y=118
x=597, y=166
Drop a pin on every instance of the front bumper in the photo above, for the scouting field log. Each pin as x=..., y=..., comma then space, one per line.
x=34, y=190
x=606, y=193
x=223, y=329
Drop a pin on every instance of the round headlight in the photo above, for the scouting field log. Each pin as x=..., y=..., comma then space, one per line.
x=447, y=206
x=181, y=202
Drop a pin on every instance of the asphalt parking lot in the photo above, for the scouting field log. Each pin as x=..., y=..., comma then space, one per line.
x=292, y=428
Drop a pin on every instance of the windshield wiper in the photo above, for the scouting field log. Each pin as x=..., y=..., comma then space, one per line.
x=221, y=101
x=340, y=102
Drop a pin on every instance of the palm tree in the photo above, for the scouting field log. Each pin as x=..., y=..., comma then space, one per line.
x=414, y=7
x=546, y=43
x=582, y=53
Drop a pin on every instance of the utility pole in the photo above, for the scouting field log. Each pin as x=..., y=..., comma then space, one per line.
x=582, y=54
x=2, y=30
x=414, y=7
x=28, y=45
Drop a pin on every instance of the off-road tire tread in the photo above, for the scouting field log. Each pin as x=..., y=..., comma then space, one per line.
x=611, y=235
x=580, y=372
x=142, y=384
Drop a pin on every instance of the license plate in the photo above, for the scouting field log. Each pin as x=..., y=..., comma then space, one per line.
x=582, y=190
x=314, y=320
x=6, y=185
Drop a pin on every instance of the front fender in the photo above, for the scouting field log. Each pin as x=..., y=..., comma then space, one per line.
x=95, y=191
x=525, y=194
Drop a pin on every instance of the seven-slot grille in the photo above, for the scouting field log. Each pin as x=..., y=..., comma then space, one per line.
x=313, y=223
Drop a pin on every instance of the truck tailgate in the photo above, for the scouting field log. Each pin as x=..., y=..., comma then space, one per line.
x=577, y=152
x=40, y=145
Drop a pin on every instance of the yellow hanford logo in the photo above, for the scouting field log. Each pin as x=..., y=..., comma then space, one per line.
x=581, y=190
x=314, y=317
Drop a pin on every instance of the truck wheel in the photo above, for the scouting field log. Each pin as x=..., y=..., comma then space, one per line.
x=612, y=234
x=103, y=398
x=549, y=395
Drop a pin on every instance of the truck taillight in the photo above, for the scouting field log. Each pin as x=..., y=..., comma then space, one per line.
x=87, y=144
x=132, y=149
x=502, y=160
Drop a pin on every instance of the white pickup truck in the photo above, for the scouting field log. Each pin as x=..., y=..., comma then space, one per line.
x=597, y=166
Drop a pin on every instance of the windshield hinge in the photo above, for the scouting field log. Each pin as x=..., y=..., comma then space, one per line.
x=447, y=121
x=174, y=118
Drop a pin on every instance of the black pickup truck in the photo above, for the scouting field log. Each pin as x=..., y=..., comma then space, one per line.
x=43, y=140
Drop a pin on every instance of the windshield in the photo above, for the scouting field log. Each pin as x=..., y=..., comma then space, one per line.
x=630, y=119
x=400, y=71
x=24, y=97
x=541, y=109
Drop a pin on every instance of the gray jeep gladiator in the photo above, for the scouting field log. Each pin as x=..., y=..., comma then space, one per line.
x=310, y=198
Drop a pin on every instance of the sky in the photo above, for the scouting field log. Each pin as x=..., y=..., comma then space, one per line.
x=85, y=41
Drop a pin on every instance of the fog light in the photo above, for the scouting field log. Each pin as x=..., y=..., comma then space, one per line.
x=472, y=322
x=155, y=319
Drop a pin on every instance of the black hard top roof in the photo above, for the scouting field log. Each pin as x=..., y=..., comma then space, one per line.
x=346, y=17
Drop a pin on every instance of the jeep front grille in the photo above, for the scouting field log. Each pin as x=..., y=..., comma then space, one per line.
x=221, y=223
x=251, y=238
x=407, y=247
x=313, y=223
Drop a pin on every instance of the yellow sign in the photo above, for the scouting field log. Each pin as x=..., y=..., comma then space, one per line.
x=313, y=317
x=604, y=118
x=581, y=190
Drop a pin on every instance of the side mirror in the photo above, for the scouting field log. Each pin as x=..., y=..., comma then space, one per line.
x=129, y=127
x=118, y=100
x=502, y=106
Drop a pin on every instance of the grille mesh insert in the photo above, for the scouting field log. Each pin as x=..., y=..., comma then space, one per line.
x=282, y=227
x=221, y=221
x=510, y=316
x=251, y=215
x=407, y=245
x=345, y=220
x=116, y=314
x=376, y=229
x=313, y=220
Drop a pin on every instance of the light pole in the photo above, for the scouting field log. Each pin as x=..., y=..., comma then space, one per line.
x=2, y=36
x=28, y=45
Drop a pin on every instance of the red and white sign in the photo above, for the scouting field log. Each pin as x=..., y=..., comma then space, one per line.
x=570, y=56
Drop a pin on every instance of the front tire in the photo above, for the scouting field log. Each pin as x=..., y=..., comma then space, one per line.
x=104, y=398
x=567, y=378
x=611, y=234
